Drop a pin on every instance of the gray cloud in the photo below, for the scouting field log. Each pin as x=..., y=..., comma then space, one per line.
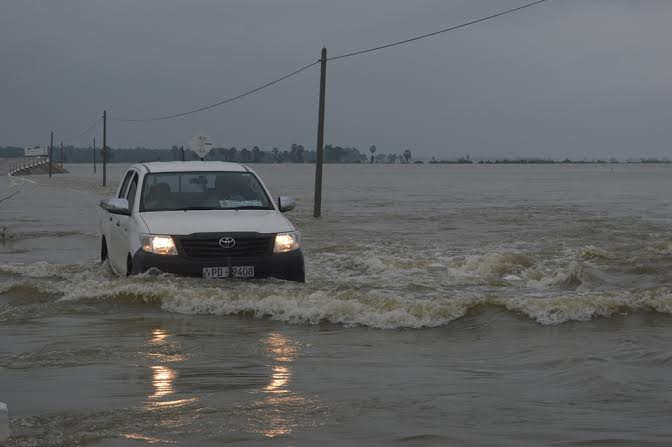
x=567, y=78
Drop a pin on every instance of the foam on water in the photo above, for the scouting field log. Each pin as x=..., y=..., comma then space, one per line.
x=378, y=291
x=500, y=264
x=593, y=252
x=664, y=248
x=570, y=276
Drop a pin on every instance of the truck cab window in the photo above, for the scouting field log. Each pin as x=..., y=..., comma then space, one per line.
x=131, y=192
x=124, y=185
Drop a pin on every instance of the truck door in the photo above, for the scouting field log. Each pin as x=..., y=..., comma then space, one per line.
x=119, y=228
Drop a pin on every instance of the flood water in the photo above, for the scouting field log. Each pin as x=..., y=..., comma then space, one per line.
x=485, y=305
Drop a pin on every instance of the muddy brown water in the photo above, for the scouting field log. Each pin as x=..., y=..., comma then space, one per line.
x=444, y=305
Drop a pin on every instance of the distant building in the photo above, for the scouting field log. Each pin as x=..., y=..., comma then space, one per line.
x=36, y=151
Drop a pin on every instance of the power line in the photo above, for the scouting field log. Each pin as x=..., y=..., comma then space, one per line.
x=200, y=109
x=81, y=134
x=296, y=72
x=452, y=28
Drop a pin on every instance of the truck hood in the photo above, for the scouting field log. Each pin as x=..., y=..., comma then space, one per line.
x=215, y=221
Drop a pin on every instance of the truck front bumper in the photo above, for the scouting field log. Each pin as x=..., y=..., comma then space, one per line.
x=288, y=266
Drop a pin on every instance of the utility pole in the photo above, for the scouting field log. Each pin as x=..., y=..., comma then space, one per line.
x=182, y=152
x=104, y=147
x=317, y=211
x=94, y=155
x=61, y=154
x=51, y=152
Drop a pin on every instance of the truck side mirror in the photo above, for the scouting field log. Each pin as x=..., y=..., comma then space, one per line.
x=116, y=206
x=286, y=203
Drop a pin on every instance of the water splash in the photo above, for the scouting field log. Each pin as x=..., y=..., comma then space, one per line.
x=388, y=292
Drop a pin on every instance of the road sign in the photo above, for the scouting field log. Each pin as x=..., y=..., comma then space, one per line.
x=201, y=145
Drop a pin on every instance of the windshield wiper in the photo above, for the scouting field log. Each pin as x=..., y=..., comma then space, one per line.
x=250, y=207
x=198, y=208
x=234, y=208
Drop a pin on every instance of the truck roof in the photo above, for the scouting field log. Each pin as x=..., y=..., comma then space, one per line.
x=192, y=166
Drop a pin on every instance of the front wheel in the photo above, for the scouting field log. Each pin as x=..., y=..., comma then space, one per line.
x=103, y=249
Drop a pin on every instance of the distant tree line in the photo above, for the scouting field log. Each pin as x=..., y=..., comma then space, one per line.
x=296, y=153
x=568, y=161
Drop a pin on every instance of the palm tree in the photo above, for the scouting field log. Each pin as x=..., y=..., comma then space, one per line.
x=372, y=149
x=407, y=155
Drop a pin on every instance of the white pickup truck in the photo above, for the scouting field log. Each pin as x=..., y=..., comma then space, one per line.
x=207, y=219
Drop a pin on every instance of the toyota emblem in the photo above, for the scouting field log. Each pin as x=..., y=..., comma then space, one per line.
x=227, y=242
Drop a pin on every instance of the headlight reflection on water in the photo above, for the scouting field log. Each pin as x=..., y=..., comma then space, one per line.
x=158, y=336
x=277, y=411
x=163, y=376
x=162, y=381
x=279, y=380
x=163, y=387
x=281, y=348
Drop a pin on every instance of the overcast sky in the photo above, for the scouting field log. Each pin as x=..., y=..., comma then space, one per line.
x=577, y=78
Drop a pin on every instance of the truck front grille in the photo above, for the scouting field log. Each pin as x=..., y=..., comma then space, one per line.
x=208, y=247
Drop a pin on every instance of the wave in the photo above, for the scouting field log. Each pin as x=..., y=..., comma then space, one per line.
x=663, y=248
x=378, y=290
x=593, y=252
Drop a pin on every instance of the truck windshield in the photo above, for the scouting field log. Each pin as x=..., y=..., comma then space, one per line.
x=171, y=191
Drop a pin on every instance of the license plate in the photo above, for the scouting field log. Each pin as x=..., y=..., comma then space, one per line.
x=238, y=271
x=215, y=272
x=242, y=271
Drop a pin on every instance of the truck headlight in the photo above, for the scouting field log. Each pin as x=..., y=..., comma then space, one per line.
x=285, y=242
x=159, y=245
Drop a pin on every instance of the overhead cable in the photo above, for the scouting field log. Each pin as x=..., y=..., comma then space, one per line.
x=355, y=53
x=225, y=101
x=452, y=28
x=84, y=132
